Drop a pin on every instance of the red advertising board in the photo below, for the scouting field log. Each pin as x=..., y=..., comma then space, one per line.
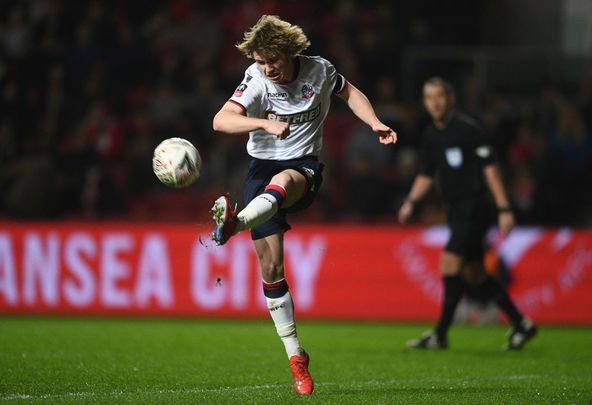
x=334, y=272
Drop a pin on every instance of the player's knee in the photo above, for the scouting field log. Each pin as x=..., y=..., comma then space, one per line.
x=450, y=265
x=283, y=179
x=293, y=182
x=474, y=273
x=272, y=272
x=447, y=272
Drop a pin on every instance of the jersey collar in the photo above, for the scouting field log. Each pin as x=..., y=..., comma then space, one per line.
x=296, y=71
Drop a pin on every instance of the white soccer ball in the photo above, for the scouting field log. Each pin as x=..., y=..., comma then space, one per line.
x=176, y=162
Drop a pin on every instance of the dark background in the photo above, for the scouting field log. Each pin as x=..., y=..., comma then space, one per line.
x=89, y=88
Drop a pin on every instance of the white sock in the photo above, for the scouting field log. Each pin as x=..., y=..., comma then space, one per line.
x=282, y=313
x=258, y=211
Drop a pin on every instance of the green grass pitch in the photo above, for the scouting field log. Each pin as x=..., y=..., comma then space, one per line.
x=77, y=360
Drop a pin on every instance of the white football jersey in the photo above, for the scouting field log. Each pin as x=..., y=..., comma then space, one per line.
x=304, y=103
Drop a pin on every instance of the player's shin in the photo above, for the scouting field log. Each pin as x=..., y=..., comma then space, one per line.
x=262, y=207
x=491, y=288
x=453, y=291
x=281, y=308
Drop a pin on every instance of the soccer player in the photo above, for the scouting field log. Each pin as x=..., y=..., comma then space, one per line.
x=456, y=151
x=282, y=103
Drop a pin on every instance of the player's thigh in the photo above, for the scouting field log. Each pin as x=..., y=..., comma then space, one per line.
x=473, y=271
x=293, y=182
x=450, y=264
x=270, y=252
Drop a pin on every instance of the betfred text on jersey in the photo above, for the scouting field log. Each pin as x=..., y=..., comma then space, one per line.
x=298, y=118
x=277, y=96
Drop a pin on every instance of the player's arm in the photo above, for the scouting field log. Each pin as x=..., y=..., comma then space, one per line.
x=419, y=189
x=361, y=107
x=231, y=119
x=494, y=181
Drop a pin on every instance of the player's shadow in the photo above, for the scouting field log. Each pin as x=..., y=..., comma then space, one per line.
x=531, y=352
x=413, y=392
x=478, y=352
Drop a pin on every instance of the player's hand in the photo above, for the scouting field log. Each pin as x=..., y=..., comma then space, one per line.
x=385, y=134
x=506, y=223
x=406, y=211
x=279, y=129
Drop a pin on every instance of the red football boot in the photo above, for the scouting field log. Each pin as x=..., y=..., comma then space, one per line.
x=303, y=383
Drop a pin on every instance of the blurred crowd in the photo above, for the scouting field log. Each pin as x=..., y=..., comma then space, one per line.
x=88, y=88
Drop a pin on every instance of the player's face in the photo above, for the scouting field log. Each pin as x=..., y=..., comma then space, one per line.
x=278, y=68
x=436, y=101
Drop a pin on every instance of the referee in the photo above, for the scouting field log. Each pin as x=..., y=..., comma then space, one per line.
x=456, y=151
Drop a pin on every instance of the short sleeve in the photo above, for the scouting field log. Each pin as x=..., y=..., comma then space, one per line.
x=336, y=80
x=484, y=150
x=248, y=93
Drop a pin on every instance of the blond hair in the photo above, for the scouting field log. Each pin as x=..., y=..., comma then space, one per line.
x=272, y=35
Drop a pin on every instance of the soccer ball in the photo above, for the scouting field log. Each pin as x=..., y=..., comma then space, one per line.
x=176, y=162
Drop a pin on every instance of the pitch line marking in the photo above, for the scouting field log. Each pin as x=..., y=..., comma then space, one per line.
x=115, y=394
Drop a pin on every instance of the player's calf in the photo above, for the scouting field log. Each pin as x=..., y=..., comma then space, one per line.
x=281, y=308
x=258, y=211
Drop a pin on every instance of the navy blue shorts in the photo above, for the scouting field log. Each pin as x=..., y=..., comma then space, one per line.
x=260, y=174
x=468, y=221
